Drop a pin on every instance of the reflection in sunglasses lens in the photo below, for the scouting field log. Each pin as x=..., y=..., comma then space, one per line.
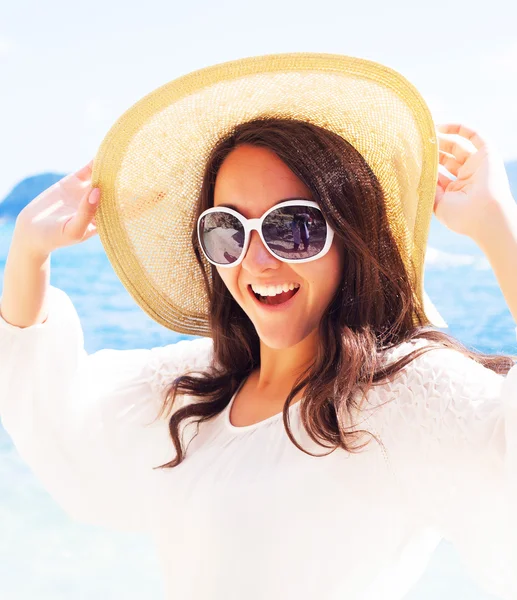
x=295, y=232
x=222, y=237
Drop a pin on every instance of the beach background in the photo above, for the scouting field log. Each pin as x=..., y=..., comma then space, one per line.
x=68, y=71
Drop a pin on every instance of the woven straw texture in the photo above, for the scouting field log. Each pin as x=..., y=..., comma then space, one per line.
x=150, y=164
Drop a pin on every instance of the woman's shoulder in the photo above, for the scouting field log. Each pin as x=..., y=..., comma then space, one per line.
x=440, y=381
x=443, y=369
x=180, y=358
x=192, y=353
x=436, y=363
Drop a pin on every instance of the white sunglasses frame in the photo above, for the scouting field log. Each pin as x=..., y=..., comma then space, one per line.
x=256, y=224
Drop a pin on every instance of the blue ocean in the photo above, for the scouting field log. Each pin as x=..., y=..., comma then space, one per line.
x=46, y=555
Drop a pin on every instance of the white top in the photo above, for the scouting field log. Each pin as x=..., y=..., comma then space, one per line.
x=247, y=514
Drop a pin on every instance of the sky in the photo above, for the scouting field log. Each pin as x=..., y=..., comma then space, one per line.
x=69, y=70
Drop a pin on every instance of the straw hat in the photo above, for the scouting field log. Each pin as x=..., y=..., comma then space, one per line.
x=150, y=164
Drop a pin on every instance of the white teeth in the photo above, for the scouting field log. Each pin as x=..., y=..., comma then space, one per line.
x=272, y=290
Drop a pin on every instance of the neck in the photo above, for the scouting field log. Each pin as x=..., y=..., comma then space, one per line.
x=280, y=367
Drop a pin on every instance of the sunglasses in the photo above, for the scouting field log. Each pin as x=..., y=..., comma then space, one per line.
x=294, y=231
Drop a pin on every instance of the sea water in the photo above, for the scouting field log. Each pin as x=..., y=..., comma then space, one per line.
x=46, y=555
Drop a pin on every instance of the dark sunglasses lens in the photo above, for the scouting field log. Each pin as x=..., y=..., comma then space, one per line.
x=295, y=232
x=221, y=236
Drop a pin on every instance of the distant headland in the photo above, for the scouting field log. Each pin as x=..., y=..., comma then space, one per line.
x=25, y=191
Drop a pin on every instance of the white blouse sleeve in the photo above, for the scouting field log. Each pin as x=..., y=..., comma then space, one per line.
x=450, y=432
x=83, y=423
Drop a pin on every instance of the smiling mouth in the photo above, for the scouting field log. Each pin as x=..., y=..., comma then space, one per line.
x=277, y=299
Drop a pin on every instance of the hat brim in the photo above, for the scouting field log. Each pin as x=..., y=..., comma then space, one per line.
x=150, y=164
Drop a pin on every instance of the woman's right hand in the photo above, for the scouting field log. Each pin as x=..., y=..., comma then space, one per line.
x=61, y=215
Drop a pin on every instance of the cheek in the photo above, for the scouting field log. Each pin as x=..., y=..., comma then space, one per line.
x=336, y=265
x=229, y=278
x=325, y=274
x=339, y=263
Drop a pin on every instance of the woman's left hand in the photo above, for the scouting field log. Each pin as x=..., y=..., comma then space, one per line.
x=481, y=190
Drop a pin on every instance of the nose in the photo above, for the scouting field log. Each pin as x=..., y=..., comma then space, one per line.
x=258, y=258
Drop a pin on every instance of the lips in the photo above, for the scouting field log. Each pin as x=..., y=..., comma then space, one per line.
x=272, y=301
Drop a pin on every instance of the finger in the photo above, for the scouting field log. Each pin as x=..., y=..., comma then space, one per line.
x=91, y=230
x=450, y=163
x=441, y=186
x=466, y=132
x=443, y=180
x=456, y=146
x=85, y=173
x=78, y=224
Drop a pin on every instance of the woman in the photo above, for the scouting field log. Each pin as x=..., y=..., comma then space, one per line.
x=300, y=230
x=338, y=436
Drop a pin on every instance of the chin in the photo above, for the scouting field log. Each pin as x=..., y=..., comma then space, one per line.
x=281, y=338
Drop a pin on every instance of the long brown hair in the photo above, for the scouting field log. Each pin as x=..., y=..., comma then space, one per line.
x=372, y=309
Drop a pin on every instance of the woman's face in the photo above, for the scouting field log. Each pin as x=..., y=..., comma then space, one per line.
x=253, y=180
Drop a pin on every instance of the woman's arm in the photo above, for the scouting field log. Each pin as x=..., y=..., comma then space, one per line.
x=498, y=241
x=479, y=203
x=26, y=283
x=62, y=215
x=86, y=424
